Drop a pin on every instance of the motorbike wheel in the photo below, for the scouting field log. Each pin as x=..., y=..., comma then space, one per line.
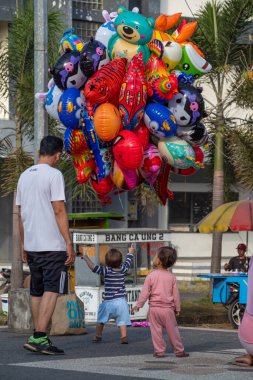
x=235, y=313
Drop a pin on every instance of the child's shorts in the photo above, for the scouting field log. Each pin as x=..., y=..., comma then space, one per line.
x=117, y=309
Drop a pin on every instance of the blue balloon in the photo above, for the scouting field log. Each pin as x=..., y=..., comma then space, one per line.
x=70, y=105
x=160, y=120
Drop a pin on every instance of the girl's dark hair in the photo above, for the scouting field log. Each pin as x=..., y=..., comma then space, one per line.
x=167, y=256
x=113, y=258
x=50, y=145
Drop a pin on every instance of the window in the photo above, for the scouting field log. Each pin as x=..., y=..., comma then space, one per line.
x=91, y=5
x=88, y=203
x=86, y=29
x=189, y=208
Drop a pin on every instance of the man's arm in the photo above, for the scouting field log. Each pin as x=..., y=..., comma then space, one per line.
x=63, y=224
x=21, y=231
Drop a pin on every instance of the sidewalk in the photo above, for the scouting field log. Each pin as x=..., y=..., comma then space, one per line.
x=211, y=354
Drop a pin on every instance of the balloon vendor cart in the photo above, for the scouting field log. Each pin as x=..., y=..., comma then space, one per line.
x=89, y=286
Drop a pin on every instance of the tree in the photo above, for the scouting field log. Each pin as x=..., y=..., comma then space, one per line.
x=220, y=25
x=17, y=84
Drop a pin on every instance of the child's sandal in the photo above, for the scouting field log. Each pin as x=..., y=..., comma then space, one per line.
x=97, y=339
x=124, y=340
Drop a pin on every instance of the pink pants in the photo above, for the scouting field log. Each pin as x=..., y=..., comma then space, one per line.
x=164, y=318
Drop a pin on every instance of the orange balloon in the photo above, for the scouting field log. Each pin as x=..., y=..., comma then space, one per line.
x=107, y=121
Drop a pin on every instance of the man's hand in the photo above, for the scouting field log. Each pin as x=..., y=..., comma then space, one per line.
x=226, y=266
x=24, y=255
x=71, y=255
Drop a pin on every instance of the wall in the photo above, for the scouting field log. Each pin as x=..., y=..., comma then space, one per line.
x=170, y=7
x=194, y=252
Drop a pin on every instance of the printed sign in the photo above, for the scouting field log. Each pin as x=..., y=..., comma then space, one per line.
x=93, y=296
x=118, y=237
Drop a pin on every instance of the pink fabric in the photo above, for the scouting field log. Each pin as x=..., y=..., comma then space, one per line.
x=245, y=331
x=249, y=306
x=248, y=347
x=164, y=318
x=160, y=289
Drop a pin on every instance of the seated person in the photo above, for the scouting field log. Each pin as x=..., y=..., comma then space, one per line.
x=238, y=263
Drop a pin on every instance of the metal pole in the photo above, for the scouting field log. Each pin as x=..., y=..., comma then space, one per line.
x=40, y=71
x=69, y=14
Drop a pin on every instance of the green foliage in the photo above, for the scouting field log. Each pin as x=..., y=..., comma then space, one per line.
x=17, y=84
x=231, y=87
x=240, y=142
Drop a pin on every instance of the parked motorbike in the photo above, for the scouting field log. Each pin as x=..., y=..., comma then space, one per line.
x=235, y=309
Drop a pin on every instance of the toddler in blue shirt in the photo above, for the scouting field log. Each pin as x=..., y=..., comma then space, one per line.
x=114, y=305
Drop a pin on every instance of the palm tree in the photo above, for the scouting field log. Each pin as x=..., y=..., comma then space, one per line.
x=17, y=84
x=220, y=25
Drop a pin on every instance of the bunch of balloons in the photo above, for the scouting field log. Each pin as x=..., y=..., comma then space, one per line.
x=128, y=102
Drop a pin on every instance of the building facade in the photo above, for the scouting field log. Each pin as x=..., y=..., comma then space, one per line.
x=192, y=195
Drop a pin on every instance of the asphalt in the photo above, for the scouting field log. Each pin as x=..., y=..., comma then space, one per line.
x=212, y=353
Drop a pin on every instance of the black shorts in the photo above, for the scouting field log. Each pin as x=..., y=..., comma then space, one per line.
x=48, y=272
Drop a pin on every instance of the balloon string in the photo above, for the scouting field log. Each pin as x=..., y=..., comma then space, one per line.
x=120, y=201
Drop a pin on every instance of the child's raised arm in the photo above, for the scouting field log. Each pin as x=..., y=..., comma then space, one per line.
x=90, y=264
x=128, y=260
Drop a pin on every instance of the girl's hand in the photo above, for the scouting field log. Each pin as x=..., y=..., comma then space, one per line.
x=177, y=313
x=135, y=309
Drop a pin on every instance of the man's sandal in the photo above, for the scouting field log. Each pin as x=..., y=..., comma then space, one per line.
x=97, y=339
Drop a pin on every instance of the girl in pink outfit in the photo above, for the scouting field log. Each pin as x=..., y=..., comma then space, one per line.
x=160, y=288
x=245, y=331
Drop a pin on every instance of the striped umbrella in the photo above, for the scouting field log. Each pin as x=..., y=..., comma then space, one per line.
x=233, y=216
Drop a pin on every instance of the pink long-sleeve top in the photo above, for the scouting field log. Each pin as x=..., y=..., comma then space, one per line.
x=160, y=289
x=245, y=330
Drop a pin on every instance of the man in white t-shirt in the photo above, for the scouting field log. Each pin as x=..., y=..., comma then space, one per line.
x=45, y=239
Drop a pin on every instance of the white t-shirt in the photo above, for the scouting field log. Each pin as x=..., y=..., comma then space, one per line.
x=37, y=187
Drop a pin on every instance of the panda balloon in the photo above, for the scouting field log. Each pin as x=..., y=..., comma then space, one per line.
x=187, y=106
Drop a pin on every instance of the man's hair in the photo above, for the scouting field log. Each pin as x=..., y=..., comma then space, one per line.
x=50, y=145
x=113, y=258
x=167, y=256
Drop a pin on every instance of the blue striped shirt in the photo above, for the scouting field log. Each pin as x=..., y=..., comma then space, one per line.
x=114, y=278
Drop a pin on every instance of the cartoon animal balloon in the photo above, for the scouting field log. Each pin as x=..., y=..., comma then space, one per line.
x=92, y=57
x=107, y=121
x=107, y=29
x=187, y=106
x=199, y=156
x=151, y=164
x=84, y=164
x=133, y=32
x=104, y=86
x=143, y=134
x=133, y=94
x=128, y=150
x=196, y=135
x=178, y=152
x=160, y=120
x=70, y=105
x=70, y=41
x=192, y=62
x=67, y=73
x=74, y=141
x=51, y=99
